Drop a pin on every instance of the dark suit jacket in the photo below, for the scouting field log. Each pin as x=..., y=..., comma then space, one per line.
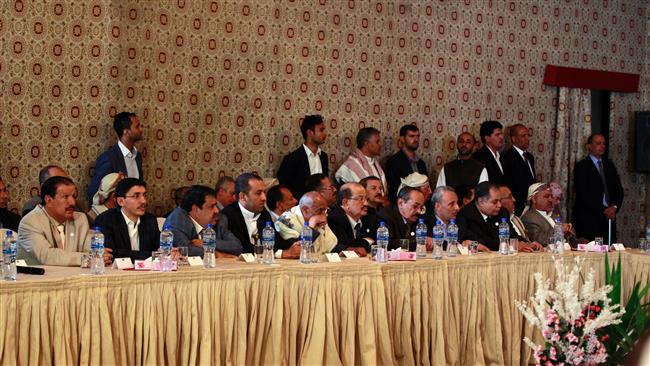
x=110, y=161
x=181, y=225
x=237, y=226
x=517, y=176
x=471, y=226
x=398, y=166
x=340, y=226
x=494, y=173
x=397, y=228
x=9, y=220
x=116, y=234
x=294, y=170
x=588, y=217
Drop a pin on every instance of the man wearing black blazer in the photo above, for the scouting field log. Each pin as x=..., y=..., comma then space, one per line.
x=479, y=220
x=404, y=161
x=519, y=166
x=247, y=216
x=121, y=157
x=128, y=229
x=599, y=193
x=349, y=220
x=307, y=159
x=492, y=138
x=402, y=217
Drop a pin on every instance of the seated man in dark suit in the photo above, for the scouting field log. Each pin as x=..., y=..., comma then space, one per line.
x=128, y=229
x=402, y=217
x=322, y=184
x=121, y=157
x=376, y=194
x=8, y=219
x=350, y=222
x=279, y=200
x=479, y=220
x=247, y=216
x=405, y=161
x=517, y=228
x=198, y=209
x=306, y=160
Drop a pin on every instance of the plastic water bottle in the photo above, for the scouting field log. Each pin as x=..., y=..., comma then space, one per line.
x=452, y=239
x=166, y=244
x=305, y=244
x=558, y=236
x=97, y=252
x=438, y=239
x=504, y=237
x=268, y=242
x=383, y=236
x=209, y=238
x=9, y=257
x=421, y=239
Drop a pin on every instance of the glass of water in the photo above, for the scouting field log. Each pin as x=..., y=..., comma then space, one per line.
x=404, y=245
x=514, y=249
x=643, y=244
x=473, y=247
x=373, y=252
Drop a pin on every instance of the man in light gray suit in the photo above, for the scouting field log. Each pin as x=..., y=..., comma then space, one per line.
x=53, y=233
x=187, y=221
x=537, y=218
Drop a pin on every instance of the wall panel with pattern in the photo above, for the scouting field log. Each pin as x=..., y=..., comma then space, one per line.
x=220, y=86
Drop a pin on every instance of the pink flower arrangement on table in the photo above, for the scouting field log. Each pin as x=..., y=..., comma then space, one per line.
x=569, y=318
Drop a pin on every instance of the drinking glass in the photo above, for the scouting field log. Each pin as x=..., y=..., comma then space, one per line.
x=182, y=256
x=513, y=246
x=643, y=244
x=373, y=252
x=404, y=245
x=473, y=247
x=599, y=241
x=85, y=260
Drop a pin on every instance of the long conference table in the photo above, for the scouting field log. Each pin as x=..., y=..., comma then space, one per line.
x=457, y=311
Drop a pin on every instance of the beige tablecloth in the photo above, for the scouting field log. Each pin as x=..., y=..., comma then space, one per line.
x=455, y=311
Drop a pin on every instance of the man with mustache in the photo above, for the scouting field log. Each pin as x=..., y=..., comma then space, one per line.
x=402, y=217
x=349, y=220
x=128, y=229
x=375, y=193
x=464, y=171
x=53, y=233
x=405, y=161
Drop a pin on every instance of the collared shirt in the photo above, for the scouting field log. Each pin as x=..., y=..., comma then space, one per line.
x=496, y=156
x=129, y=160
x=61, y=229
x=274, y=216
x=315, y=165
x=197, y=227
x=442, y=179
x=372, y=161
x=515, y=225
x=353, y=223
x=595, y=160
x=251, y=221
x=547, y=217
x=521, y=153
x=132, y=227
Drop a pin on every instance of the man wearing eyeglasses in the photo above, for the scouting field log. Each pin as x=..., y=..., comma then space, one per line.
x=312, y=209
x=350, y=222
x=402, y=217
x=128, y=229
x=322, y=184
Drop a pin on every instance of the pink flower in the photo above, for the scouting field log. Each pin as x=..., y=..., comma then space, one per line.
x=555, y=337
x=571, y=338
x=553, y=354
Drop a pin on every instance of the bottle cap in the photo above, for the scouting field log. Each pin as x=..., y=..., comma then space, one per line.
x=420, y=221
x=438, y=222
x=165, y=227
x=452, y=221
x=209, y=226
x=96, y=228
x=268, y=223
x=503, y=219
x=9, y=233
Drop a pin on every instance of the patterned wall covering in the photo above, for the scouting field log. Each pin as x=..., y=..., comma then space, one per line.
x=221, y=85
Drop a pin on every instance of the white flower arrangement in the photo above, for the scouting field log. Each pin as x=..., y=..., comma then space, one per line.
x=570, y=319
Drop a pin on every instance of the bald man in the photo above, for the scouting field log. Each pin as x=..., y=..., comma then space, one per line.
x=464, y=170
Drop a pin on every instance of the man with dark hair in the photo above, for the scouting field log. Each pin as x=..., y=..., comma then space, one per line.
x=279, y=200
x=323, y=185
x=54, y=234
x=464, y=170
x=517, y=227
x=599, y=193
x=179, y=193
x=225, y=189
x=198, y=209
x=402, y=217
x=465, y=195
x=492, y=138
x=128, y=229
x=405, y=161
x=479, y=220
x=349, y=220
x=308, y=159
x=44, y=174
x=364, y=160
x=375, y=192
x=519, y=166
x=8, y=219
x=122, y=157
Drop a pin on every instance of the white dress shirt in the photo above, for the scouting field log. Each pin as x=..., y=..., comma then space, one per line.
x=315, y=166
x=129, y=160
x=442, y=179
x=251, y=221
x=133, y=231
x=548, y=217
x=496, y=156
x=521, y=153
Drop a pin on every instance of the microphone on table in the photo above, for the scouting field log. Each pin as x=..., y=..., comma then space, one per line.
x=30, y=270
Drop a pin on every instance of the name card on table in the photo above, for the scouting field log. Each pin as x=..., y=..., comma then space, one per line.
x=463, y=250
x=618, y=246
x=21, y=263
x=350, y=254
x=247, y=257
x=399, y=255
x=195, y=261
x=591, y=247
x=567, y=246
x=123, y=263
x=144, y=265
x=333, y=257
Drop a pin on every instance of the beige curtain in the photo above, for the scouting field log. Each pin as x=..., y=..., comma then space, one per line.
x=572, y=127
